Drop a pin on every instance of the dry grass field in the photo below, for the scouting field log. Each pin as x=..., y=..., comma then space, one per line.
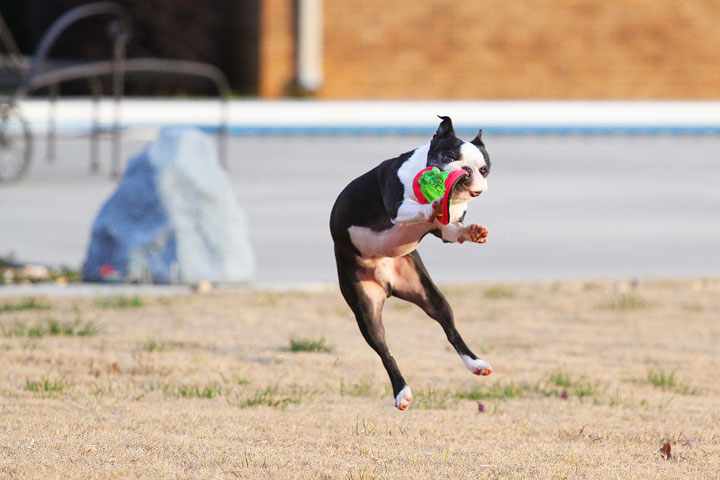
x=589, y=381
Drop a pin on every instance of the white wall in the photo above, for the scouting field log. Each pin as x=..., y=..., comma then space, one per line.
x=379, y=117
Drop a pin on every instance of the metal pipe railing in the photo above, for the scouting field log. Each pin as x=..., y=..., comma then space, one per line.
x=41, y=74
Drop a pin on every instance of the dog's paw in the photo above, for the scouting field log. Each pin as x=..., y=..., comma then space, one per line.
x=477, y=366
x=403, y=399
x=475, y=233
x=435, y=210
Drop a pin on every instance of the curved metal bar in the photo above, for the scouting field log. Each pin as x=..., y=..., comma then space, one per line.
x=147, y=65
x=72, y=16
x=38, y=74
x=132, y=65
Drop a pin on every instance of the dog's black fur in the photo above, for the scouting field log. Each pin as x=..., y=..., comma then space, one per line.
x=376, y=224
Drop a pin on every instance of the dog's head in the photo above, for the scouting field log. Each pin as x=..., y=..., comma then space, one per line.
x=448, y=153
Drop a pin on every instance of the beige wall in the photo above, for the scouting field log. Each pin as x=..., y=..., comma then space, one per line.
x=501, y=49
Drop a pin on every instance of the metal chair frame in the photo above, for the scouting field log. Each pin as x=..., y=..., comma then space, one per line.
x=40, y=71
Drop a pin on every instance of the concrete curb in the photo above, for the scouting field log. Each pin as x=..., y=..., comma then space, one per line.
x=307, y=117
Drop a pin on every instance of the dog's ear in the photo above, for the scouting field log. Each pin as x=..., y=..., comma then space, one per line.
x=445, y=129
x=477, y=141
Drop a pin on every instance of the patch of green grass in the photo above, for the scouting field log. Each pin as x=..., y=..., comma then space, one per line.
x=363, y=473
x=29, y=304
x=584, y=388
x=152, y=344
x=309, y=345
x=119, y=302
x=628, y=302
x=34, y=331
x=51, y=327
x=553, y=384
x=210, y=390
x=667, y=380
x=195, y=391
x=108, y=389
x=235, y=379
x=88, y=329
x=430, y=399
x=558, y=380
x=359, y=388
x=365, y=428
x=496, y=391
x=559, y=377
x=498, y=292
x=76, y=328
x=269, y=397
x=46, y=387
x=54, y=327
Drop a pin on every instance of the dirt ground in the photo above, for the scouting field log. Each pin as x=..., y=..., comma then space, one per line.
x=590, y=380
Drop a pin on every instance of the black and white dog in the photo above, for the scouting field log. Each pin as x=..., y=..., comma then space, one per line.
x=377, y=223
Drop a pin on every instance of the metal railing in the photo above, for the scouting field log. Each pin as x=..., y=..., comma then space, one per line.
x=41, y=71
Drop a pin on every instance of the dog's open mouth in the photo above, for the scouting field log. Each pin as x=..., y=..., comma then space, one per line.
x=464, y=185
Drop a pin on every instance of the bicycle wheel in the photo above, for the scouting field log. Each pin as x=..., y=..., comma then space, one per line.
x=15, y=145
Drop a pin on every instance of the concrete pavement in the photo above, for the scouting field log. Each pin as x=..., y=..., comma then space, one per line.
x=557, y=206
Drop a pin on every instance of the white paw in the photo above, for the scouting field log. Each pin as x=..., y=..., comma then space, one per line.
x=402, y=401
x=477, y=366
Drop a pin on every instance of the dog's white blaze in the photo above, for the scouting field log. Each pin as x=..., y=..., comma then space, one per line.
x=475, y=364
x=403, y=398
x=472, y=157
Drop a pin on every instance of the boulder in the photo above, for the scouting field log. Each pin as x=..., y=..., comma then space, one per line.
x=172, y=219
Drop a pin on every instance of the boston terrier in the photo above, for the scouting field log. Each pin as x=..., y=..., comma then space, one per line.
x=377, y=223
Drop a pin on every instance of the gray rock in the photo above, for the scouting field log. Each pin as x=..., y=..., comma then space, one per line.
x=172, y=219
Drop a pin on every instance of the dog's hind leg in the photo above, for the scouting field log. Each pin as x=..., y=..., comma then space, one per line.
x=413, y=283
x=366, y=297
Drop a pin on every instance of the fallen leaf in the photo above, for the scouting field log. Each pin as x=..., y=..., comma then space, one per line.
x=665, y=451
x=481, y=407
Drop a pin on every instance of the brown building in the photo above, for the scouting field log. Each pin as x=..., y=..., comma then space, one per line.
x=497, y=49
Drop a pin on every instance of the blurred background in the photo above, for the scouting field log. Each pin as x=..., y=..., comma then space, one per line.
x=602, y=120
x=487, y=49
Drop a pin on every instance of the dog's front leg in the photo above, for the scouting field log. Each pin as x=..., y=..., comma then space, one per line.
x=413, y=212
x=458, y=232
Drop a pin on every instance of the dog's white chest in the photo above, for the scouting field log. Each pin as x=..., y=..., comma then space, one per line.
x=397, y=241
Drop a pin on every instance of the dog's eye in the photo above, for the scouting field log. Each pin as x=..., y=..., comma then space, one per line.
x=447, y=158
x=484, y=171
